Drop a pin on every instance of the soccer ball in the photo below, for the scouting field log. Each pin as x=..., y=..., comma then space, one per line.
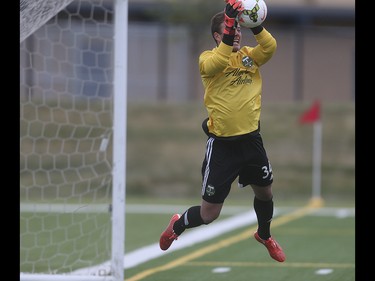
x=254, y=14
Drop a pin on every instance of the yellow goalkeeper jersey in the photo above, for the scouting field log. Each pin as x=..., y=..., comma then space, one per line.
x=233, y=85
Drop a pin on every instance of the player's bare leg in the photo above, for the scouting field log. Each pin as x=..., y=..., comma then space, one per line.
x=210, y=211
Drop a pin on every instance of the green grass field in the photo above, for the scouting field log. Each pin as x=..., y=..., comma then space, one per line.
x=318, y=246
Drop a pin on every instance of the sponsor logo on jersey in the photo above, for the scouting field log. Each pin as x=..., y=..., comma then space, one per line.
x=247, y=62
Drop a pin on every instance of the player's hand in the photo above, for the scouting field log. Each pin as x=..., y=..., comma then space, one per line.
x=232, y=9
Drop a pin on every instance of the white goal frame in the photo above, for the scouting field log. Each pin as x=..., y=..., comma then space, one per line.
x=120, y=43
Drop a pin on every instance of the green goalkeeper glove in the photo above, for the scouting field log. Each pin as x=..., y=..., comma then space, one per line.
x=232, y=9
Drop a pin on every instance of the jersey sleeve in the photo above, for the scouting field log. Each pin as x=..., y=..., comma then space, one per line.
x=215, y=61
x=265, y=49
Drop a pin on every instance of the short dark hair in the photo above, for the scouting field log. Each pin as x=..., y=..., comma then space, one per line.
x=216, y=22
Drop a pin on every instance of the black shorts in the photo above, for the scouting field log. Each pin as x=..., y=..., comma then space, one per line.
x=225, y=160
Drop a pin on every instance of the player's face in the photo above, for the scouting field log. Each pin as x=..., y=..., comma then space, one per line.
x=237, y=39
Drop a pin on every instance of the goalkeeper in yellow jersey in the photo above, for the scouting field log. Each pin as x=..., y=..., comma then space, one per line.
x=234, y=149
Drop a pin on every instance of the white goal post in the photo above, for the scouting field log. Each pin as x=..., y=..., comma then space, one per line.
x=73, y=116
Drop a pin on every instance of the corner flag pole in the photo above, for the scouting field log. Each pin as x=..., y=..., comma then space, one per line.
x=317, y=153
x=312, y=115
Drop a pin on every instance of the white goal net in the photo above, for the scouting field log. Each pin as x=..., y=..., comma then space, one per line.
x=67, y=140
x=34, y=14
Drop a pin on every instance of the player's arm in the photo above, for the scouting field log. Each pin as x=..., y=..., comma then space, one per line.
x=266, y=45
x=210, y=62
x=231, y=11
x=256, y=30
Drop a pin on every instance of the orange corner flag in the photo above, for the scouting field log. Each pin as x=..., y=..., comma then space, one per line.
x=311, y=115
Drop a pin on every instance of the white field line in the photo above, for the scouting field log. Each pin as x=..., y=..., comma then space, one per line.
x=193, y=236
x=104, y=208
x=162, y=209
x=188, y=238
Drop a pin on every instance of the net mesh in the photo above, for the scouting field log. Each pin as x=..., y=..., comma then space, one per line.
x=66, y=111
x=33, y=14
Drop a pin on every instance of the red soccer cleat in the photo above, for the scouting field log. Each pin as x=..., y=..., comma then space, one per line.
x=274, y=249
x=168, y=235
